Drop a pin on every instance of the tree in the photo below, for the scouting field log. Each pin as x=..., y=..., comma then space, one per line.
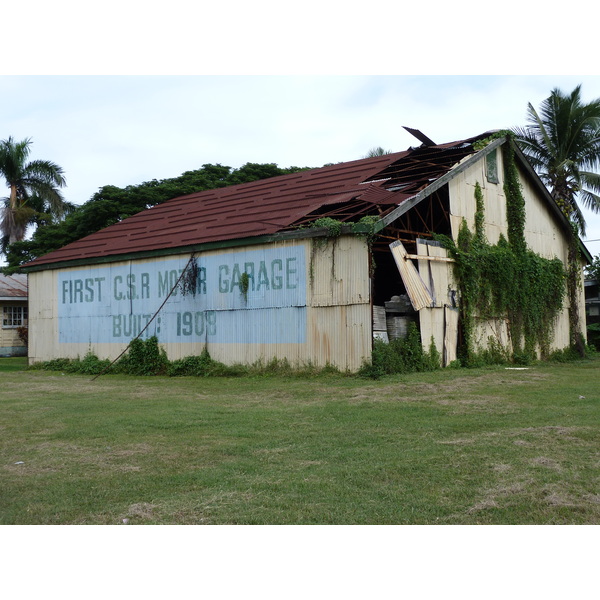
x=593, y=271
x=562, y=142
x=377, y=151
x=34, y=196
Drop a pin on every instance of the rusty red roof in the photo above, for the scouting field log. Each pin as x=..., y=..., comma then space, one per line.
x=13, y=287
x=269, y=206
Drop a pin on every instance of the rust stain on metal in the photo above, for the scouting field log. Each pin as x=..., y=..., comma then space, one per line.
x=13, y=286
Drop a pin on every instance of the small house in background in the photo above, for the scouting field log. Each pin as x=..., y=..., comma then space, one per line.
x=310, y=267
x=592, y=300
x=13, y=309
x=592, y=311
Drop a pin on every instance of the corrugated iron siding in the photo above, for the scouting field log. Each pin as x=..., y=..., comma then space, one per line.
x=543, y=233
x=322, y=317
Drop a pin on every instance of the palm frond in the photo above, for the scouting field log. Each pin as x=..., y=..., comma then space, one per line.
x=562, y=143
x=590, y=200
x=44, y=170
x=35, y=189
x=590, y=180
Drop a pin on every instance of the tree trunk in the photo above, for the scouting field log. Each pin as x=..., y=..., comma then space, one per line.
x=573, y=278
x=10, y=217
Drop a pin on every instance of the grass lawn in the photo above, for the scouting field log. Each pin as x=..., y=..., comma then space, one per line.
x=486, y=446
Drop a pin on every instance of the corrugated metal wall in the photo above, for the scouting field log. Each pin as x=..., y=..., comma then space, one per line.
x=307, y=301
x=543, y=234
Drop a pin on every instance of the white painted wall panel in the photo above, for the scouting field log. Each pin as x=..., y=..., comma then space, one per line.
x=338, y=272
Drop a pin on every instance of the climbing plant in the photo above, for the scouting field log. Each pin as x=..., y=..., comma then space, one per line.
x=506, y=281
x=333, y=226
x=365, y=227
x=244, y=285
x=189, y=278
x=515, y=203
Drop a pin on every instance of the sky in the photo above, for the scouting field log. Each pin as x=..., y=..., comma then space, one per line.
x=126, y=129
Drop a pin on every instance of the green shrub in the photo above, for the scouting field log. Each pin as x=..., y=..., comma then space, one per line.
x=92, y=365
x=432, y=360
x=571, y=354
x=89, y=365
x=198, y=366
x=494, y=354
x=57, y=364
x=522, y=357
x=593, y=335
x=401, y=355
x=143, y=358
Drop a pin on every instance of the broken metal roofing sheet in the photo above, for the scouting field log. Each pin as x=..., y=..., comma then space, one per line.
x=346, y=191
x=13, y=286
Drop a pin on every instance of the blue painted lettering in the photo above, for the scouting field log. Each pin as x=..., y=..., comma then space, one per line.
x=223, y=282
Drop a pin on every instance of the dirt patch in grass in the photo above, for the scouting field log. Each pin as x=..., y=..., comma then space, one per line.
x=460, y=394
x=141, y=511
x=502, y=467
x=133, y=451
x=457, y=442
x=558, y=499
x=544, y=461
x=496, y=497
x=58, y=456
x=541, y=436
x=559, y=430
x=483, y=505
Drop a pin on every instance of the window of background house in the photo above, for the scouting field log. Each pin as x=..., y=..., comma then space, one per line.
x=14, y=316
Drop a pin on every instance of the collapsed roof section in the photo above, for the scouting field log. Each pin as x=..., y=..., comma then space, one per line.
x=345, y=191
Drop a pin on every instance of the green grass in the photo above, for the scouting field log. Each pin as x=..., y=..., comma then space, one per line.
x=18, y=363
x=490, y=446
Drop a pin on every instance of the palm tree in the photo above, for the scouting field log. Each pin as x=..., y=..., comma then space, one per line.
x=34, y=195
x=562, y=142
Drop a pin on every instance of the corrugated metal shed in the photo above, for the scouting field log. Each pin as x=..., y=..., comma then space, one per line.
x=13, y=287
x=344, y=191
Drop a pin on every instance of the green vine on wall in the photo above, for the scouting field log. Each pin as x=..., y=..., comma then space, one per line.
x=189, y=278
x=364, y=227
x=244, y=285
x=479, y=214
x=515, y=203
x=333, y=226
x=506, y=281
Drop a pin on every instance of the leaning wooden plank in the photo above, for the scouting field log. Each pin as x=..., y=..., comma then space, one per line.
x=450, y=334
x=425, y=270
x=431, y=258
x=416, y=289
